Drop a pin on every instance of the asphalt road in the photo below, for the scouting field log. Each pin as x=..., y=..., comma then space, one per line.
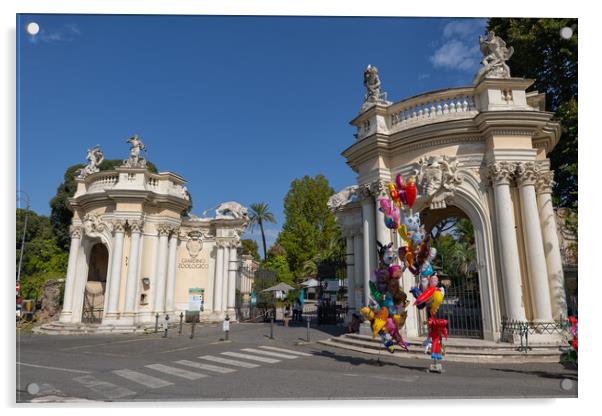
x=150, y=368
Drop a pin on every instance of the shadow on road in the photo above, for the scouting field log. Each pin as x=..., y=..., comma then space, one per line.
x=365, y=361
x=539, y=373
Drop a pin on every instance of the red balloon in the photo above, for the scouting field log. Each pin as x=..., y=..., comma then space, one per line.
x=410, y=192
x=425, y=295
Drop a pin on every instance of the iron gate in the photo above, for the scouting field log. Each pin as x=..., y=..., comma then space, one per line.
x=461, y=307
x=93, y=307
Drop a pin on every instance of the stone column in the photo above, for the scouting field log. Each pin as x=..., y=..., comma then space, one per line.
x=526, y=175
x=370, y=255
x=219, y=278
x=383, y=235
x=117, y=260
x=171, y=273
x=232, y=273
x=501, y=174
x=132, y=277
x=551, y=244
x=358, y=268
x=76, y=236
x=350, y=273
x=226, y=267
x=163, y=230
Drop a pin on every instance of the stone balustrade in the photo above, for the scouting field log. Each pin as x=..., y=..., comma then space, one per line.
x=101, y=181
x=433, y=107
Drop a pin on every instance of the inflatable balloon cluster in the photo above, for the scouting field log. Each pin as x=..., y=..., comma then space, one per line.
x=387, y=310
x=415, y=255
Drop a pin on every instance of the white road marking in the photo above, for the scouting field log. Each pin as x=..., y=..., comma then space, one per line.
x=228, y=361
x=109, y=390
x=176, y=371
x=251, y=357
x=55, y=368
x=203, y=366
x=285, y=350
x=271, y=353
x=141, y=378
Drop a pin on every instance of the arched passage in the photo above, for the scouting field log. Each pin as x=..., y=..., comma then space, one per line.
x=456, y=263
x=96, y=282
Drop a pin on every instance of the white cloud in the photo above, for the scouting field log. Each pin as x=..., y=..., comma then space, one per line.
x=464, y=28
x=65, y=33
x=458, y=46
x=456, y=55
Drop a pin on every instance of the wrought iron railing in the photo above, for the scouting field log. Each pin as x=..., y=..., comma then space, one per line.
x=523, y=329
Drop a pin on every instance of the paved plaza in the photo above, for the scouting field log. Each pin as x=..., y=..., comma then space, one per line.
x=251, y=366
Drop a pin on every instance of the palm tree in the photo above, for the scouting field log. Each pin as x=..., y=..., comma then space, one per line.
x=260, y=214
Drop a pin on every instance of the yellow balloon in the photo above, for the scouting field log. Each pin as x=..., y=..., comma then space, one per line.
x=436, y=301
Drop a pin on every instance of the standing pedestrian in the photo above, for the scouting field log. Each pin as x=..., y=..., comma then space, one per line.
x=165, y=325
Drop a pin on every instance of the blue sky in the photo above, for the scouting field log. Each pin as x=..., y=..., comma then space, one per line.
x=239, y=106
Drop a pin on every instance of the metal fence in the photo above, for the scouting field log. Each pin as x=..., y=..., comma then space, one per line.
x=523, y=329
x=461, y=307
x=92, y=312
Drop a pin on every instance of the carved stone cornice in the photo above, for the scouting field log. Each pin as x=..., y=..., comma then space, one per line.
x=136, y=226
x=75, y=231
x=545, y=182
x=501, y=173
x=526, y=173
x=119, y=226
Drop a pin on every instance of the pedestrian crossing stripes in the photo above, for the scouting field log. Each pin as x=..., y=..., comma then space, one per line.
x=141, y=378
x=178, y=372
x=207, y=367
x=251, y=357
x=108, y=390
x=270, y=353
x=225, y=363
x=304, y=354
x=228, y=361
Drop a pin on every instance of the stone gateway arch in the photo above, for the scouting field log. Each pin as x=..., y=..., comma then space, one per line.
x=479, y=151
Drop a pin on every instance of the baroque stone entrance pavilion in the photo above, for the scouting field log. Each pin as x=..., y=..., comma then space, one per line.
x=479, y=151
x=135, y=254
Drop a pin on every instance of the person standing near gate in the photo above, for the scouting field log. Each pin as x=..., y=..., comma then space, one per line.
x=165, y=326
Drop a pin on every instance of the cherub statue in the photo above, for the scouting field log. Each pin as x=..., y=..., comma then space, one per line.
x=95, y=158
x=495, y=54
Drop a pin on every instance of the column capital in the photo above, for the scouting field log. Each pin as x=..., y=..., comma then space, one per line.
x=119, y=226
x=526, y=173
x=501, y=173
x=175, y=232
x=164, y=229
x=365, y=192
x=136, y=226
x=545, y=182
x=378, y=188
x=75, y=231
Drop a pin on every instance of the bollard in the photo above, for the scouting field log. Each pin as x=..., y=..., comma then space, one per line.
x=226, y=327
x=166, y=324
x=272, y=328
x=157, y=322
x=180, y=329
x=308, y=323
x=192, y=327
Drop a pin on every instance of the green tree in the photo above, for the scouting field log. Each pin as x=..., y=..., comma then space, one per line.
x=310, y=232
x=42, y=257
x=260, y=214
x=60, y=214
x=542, y=54
x=250, y=247
x=277, y=261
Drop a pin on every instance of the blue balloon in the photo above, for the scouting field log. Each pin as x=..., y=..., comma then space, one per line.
x=427, y=270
